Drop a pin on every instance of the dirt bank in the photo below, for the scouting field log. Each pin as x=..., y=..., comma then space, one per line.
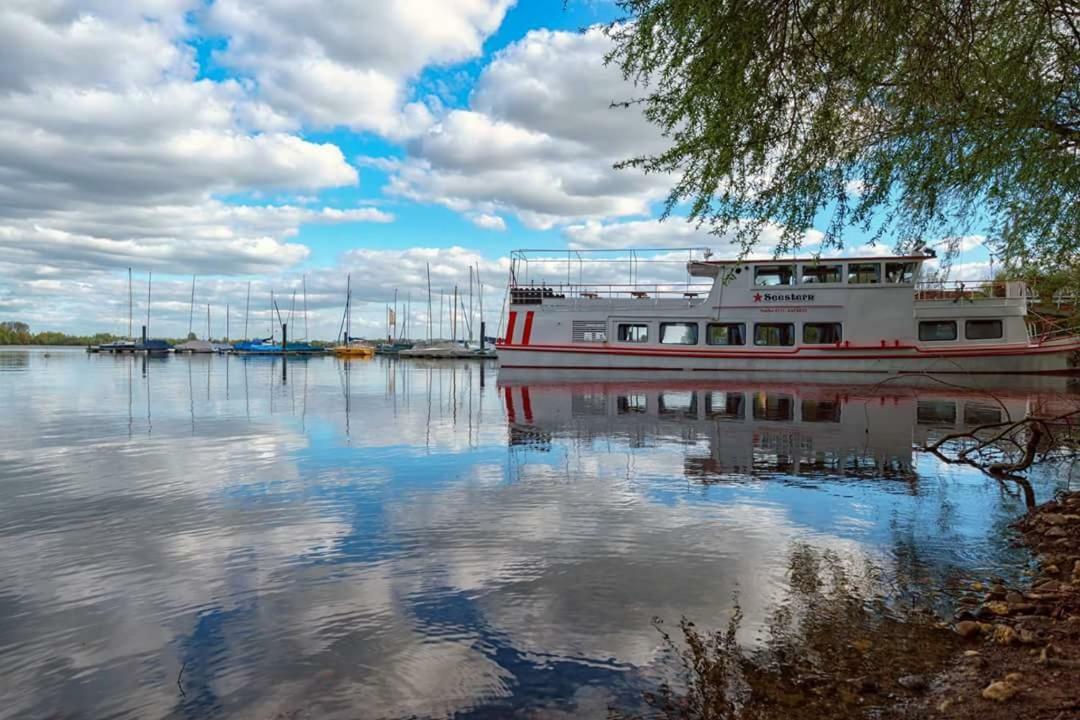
x=1021, y=646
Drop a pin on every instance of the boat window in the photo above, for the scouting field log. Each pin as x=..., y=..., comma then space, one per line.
x=981, y=414
x=631, y=404
x=588, y=404
x=900, y=272
x=774, y=407
x=776, y=334
x=725, y=406
x=681, y=404
x=635, y=333
x=770, y=275
x=821, y=411
x=678, y=333
x=814, y=274
x=935, y=412
x=937, y=330
x=822, y=333
x=864, y=273
x=983, y=329
x=725, y=334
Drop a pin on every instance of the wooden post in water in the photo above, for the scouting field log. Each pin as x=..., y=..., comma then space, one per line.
x=284, y=337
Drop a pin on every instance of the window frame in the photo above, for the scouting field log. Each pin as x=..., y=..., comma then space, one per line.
x=903, y=264
x=790, y=328
x=851, y=269
x=839, y=327
x=792, y=277
x=742, y=333
x=990, y=321
x=713, y=413
x=955, y=329
x=621, y=335
x=839, y=267
x=773, y=407
x=686, y=323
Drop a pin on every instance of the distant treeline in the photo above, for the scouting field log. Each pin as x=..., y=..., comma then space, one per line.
x=18, y=333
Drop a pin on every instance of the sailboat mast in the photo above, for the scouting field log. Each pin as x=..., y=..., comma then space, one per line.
x=348, y=307
x=247, y=311
x=480, y=295
x=191, y=312
x=129, y=305
x=226, y=322
x=468, y=321
x=208, y=337
x=304, y=280
x=149, y=281
x=429, y=302
x=453, y=318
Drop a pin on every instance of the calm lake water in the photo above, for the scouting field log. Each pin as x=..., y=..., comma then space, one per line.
x=392, y=539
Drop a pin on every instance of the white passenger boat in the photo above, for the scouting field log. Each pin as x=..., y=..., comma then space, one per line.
x=868, y=315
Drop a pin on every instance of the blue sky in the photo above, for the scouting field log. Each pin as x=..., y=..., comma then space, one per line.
x=280, y=144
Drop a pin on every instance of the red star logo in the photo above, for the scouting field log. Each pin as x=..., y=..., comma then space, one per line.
x=757, y=297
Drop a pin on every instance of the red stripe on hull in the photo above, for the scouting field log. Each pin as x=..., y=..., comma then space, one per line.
x=526, y=404
x=510, y=415
x=527, y=332
x=509, y=339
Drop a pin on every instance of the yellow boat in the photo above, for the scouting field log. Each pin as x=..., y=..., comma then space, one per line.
x=351, y=348
x=354, y=350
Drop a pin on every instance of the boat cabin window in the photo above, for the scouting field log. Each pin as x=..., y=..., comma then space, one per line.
x=679, y=333
x=774, y=334
x=815, y=274
x=631, y=404
x=822, y=333
x=983, y=329
x=725, y=334
x=937, y=330
x=771, y=275
x=774, y=407
x=725, y=406
x=900, y=272
x=821, y=410
x=588, y=404
x=678, y=404
x=981, y=414
x=864, y=273
x=633, y=332
x=935, y=412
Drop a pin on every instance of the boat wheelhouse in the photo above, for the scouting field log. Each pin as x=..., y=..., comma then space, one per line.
x=858, y=315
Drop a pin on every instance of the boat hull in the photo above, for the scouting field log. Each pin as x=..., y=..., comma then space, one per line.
x=1056, y=358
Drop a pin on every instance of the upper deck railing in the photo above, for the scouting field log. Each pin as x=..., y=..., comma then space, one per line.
x=535, y=294
x=971, y=290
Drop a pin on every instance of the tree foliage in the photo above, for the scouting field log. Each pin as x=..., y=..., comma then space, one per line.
x=905, y=118
x=18, y=333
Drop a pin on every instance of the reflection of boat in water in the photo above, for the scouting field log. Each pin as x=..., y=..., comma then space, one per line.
x=783, y=428
x=857, y=315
